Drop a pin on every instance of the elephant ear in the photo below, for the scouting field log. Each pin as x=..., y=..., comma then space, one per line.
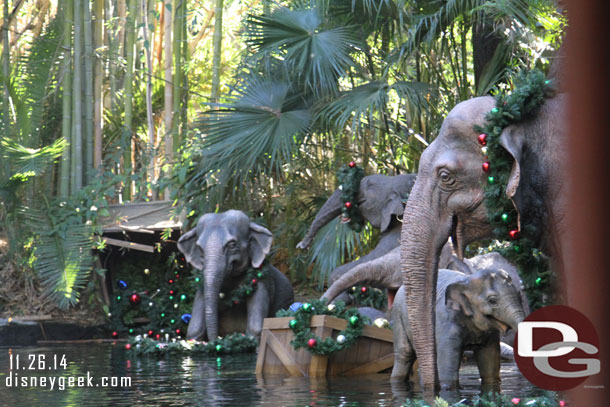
x=187, y=244
x=260, y=244
x=456, y=299
x=512, y=140
x=392, y=207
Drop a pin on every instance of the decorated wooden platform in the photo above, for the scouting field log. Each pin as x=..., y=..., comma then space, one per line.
x=372, y=353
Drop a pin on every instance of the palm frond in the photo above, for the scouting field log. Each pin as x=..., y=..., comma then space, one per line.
x=63, y=258
x=27, y=162
x=317, y=56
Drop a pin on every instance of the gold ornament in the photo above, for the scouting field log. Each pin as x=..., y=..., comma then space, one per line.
x=381, y=323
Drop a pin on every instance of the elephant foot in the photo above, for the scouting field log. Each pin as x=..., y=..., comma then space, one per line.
x=449, y=385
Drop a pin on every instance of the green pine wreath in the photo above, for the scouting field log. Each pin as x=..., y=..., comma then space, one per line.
x=531, y=89
x=304, y=338
x=247, y=287
x=349, y=177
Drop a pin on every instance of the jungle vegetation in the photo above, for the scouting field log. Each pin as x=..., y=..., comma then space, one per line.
x=218, y=104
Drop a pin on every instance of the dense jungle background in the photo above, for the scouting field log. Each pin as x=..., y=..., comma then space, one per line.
x=219, y=104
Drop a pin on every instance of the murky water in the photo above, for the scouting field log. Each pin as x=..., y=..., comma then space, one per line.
x=198, y=381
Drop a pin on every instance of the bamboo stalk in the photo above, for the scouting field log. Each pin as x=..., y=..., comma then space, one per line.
x=168, y=92
x=88, y=103
x=77, y=107
x=66, y=124
x=128, y=101
x=177, y=51
x=216, y=58
x=113, y=48
x=5, y=66
x=149, y=112
x=185, y=62
x=99, y=83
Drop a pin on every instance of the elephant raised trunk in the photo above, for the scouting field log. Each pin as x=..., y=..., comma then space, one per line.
x=330, y=210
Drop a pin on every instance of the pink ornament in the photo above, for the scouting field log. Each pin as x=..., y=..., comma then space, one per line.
x=311, y=343
x=352, y=164
x=482, y=139
x=128, y=346
x=348, y=205
x=562, y=403
x=515, y=400
x=485, y=166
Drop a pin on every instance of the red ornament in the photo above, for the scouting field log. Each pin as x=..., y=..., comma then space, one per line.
x=128, y=346
x=352, y=164
x=312, y=342
x=177, y=276
x=515, y=400
x=348, y=204
x=562, y=403
x=514, y=234
x=254, y=281
x=135, y=298
x=178, y=331
x=482, y=139
x=363, y=289
x=150, y=332
x=171, y=281
x=485, y=166
x=172, y=292
x=158, y=336
x=235, y=302
x=115, y=334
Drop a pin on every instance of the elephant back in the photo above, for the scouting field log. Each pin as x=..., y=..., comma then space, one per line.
x=283, y=295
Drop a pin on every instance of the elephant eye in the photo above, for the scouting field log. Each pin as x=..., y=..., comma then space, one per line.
x=231, y=244
x=492, y=300
x=446, y=177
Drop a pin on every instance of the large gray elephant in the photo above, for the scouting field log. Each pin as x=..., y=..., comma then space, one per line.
x=223, y=246
x=380, y=201
x=448, y=200
x=472, y=311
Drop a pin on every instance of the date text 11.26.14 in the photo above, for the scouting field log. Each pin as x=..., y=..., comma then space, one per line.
x=37, y=361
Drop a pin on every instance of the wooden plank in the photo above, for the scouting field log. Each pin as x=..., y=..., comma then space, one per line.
x=24, y=318
x=374, y=366
x=76, y=341
x=284, y=356
x=260, y=359
x=319, y=363
x=129, y=245
x=276, y=323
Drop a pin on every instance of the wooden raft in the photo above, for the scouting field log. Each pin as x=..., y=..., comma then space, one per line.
x=373, y=351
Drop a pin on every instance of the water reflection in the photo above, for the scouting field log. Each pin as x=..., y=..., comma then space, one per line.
x=211, y=381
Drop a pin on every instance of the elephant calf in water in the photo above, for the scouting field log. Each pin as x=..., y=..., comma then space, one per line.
x=471, y=313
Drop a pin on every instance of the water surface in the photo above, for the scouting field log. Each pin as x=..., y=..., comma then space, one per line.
x=202, y=381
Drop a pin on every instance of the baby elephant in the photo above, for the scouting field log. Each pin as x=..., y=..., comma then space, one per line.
x=471, y=313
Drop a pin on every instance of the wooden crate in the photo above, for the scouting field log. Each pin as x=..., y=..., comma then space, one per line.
x=373, y=351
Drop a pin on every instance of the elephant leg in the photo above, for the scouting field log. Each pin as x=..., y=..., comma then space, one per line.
x=488, y=361
x=258, y=309
x=196, y=327
x=404, y=356
x=448, y=361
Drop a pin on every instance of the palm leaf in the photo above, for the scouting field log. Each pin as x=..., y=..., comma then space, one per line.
x=63, y=258
x=316, y=55
x=27, y=162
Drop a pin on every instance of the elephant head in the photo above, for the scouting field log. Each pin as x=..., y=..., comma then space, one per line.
x=447, y=200
x=380, y=199
x=222, y=246
x=489, y=299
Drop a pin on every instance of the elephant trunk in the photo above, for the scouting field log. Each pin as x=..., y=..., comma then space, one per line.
x=213, y=277
x=424, y=233
x=330, y=210
x=382, y=272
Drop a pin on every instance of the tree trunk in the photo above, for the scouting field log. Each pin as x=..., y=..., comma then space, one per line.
x=149, y=112
x=169, y=103
x=88, y=105
x=216, y=58
x=484, y=43
x=129, y=48
x=66, y=124
x=177, y=50
x=5, y=68
x=98, y=107
x=77, y=96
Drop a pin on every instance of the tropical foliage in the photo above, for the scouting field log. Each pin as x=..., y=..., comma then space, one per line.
x=111, y=101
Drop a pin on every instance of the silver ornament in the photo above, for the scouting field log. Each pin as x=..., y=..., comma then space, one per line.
x=221, y=295
x=341, y=339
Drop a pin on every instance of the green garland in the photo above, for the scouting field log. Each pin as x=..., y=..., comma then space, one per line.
x=548, y=399
x=249, y=283
x=531, y=90
x=349, y=177
x=304, y=338
x=234, y=343
x=369, y=296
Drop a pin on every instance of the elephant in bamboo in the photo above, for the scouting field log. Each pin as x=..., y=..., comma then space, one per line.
x=223, y=246
x=447, y=200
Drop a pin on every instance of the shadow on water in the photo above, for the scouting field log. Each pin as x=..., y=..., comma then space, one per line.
x=201, y=381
